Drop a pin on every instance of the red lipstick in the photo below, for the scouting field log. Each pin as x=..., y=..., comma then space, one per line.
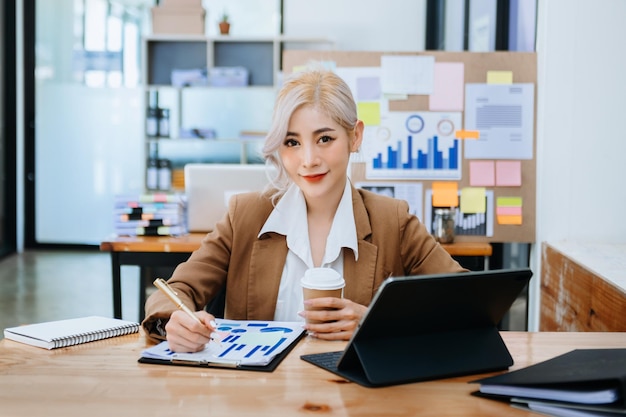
x=314, y=178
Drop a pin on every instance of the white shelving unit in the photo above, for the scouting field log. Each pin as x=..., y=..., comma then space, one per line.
x=228, y=111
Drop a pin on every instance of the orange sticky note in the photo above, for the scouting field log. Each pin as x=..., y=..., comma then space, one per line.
x=467, y=134
x=445, y=194
x=512, y=220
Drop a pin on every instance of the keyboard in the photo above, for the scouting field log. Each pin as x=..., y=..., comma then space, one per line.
x=326, y=360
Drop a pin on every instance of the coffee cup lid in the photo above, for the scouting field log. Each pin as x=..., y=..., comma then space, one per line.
x=322, y=279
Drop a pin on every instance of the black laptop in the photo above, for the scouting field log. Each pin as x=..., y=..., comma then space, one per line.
x=428, y=327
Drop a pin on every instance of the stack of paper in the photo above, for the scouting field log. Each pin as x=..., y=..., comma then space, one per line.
x=583, y=382
x=252, y=345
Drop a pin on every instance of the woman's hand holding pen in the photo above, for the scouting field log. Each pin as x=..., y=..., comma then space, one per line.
x=339, y=317
x=185, y=334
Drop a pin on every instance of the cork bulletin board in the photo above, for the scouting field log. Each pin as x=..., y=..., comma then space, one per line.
x=493, y=159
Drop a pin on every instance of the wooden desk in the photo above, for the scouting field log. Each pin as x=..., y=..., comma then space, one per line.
x=104, y=379
x=148, y=252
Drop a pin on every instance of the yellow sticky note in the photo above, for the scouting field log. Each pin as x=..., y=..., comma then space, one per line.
x=445, y=194
x=473, y=200
x=499, y=77
x=369, y=112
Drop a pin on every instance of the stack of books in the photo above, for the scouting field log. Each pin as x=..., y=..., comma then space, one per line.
x=157, y=214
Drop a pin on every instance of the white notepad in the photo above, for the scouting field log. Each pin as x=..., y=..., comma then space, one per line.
x=62, y=333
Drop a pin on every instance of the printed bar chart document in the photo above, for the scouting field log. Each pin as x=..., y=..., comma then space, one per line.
x=243, y=344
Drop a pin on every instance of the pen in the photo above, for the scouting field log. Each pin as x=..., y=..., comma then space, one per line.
x=163, y=286
x=171, y=294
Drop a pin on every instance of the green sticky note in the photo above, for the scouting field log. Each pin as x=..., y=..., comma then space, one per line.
x=369, y=112
x=509, y=202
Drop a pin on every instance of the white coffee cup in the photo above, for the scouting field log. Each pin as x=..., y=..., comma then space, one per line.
x=321, y=282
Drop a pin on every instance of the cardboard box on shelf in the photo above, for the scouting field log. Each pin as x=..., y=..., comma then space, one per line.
x=178, y=20
x=181, y=3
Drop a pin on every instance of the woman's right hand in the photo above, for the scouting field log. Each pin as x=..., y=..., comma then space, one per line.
x=184, y=334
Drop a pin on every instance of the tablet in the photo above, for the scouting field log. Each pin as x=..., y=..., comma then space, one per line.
x=428, y=327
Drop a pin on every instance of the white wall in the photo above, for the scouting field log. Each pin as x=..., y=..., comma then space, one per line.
x=360, y=25
x=581, y=92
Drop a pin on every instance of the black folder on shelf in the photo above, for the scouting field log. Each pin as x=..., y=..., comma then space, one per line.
x=429, y=327
x=582, y=378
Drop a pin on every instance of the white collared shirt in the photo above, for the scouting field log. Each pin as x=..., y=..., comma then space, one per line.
x=289, y=218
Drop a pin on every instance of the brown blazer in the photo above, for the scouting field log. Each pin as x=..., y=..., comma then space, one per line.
x=391, y=242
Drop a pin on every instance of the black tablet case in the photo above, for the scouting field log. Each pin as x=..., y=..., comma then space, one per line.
x=429, y=327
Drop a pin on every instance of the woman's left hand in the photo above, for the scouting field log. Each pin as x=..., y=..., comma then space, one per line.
x=331, y=318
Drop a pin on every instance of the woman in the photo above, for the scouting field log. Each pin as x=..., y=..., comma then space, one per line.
x=312, y=217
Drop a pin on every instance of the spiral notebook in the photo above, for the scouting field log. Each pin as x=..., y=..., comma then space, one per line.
x=62, y=333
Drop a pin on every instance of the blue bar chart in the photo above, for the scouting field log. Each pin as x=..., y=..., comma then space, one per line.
x=433, y=158
x=418, y=146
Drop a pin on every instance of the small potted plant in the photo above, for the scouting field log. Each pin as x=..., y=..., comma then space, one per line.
x=224, y=24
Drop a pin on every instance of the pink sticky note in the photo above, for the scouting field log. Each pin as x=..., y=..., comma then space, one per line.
x=509, y=211
x=509, y=173
x=448, y=87
x=482, y=173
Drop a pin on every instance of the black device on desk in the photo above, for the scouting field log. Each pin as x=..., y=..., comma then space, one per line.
x=429, y=327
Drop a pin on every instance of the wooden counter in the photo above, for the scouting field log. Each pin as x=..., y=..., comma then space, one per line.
x=583, y=287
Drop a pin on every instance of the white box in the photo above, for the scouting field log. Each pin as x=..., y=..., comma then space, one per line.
x=190, y=77
x=228, y=77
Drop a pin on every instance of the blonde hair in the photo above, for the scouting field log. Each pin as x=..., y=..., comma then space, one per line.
x=316, y=87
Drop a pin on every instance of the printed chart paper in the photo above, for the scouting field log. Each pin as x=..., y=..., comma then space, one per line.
x=242, y=343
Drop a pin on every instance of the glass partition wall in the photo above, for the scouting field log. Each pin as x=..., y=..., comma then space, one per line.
x=88, y=138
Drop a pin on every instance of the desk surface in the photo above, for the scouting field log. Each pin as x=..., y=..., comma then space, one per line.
x=104, y=379
x=190, y=242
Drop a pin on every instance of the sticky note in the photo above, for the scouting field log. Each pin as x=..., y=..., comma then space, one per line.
x=448, y=87
x=482, y=173
x=509, y=202
x=368, y=88
x=445, y=194
x=509, y=220
x=509, y=210
x=473, y=200
x=369, y=112
x=499, y=77
x=467, y=134
x=509, y=173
